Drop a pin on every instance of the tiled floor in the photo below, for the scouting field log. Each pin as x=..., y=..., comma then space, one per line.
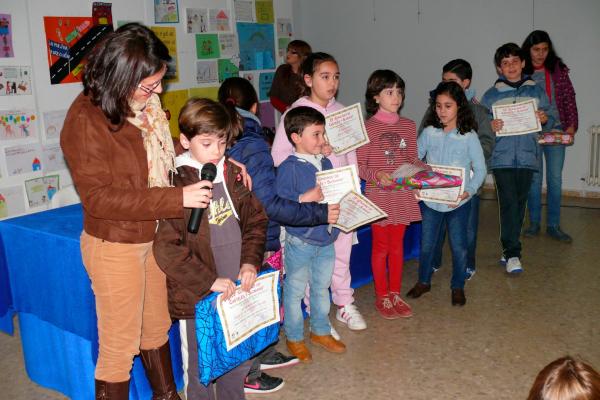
x=490, y=349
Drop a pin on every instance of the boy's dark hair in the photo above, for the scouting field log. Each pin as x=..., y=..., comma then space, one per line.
x=117, y=64
x=379, y=80
x=237, y=92
x=299, y=118
x=460, y=67
x=566, y=379
x=465, y=120
x=313, y=60
x=537, y=37
x=507, y=50
x=205, y=116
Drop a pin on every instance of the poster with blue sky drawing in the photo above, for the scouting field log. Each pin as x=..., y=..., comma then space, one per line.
x=257, y=46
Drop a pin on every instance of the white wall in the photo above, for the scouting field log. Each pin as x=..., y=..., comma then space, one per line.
x=29, y=42
x=415, y=38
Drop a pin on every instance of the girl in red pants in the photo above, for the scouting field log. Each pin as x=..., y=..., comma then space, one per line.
x=393, y=142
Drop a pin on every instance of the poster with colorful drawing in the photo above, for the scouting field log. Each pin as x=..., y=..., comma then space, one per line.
x=257, y=46
x=68, y=40
x=227, y=69
x=12, y=201
x=264, y=85
x=284, y=27
x=218, y=20
x=207, y=46
x=22, y=159
x=17, y=124
x=228, y=44
x=166, y=11
x=172, y=102
x=196, y=20
x=264, y=11
x=15, y=80
x=168, y=35
x=40, y=190
x=6, y=45
x=53, y=123
x=53, y=159
x=102, y=13
x=207, y=71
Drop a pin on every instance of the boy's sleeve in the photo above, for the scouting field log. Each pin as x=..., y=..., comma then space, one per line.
x=285, y=183
x=254, y=230
x=178, y=261
x=477, y=164
x=485, y=133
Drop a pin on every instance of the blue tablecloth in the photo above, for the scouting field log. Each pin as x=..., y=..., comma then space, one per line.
x=43, y=280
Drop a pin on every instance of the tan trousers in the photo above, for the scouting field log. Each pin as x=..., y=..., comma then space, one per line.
x=131, y=303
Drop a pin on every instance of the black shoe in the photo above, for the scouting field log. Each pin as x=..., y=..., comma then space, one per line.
x=533, y=230
x=418, y=290
x=458, y=297
x=555, y=233
x=277, y=360
x=263, y=384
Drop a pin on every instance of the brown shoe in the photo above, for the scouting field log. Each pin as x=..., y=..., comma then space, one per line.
x=157, y=363
x=112, y=390
x=458, y=297
x=299, y=350
x=418, y=290
x=329, y=343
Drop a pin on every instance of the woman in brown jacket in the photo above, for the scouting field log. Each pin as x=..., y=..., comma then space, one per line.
x=117, y=144
x=288, y=83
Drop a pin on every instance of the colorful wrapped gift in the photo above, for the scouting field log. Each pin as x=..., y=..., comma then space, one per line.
x=409, y=176
x=554, y=138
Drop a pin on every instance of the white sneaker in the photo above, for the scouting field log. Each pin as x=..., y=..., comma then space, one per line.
x=350, y=316
x=513, y=266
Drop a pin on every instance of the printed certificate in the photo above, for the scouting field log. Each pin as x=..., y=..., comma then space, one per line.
x=345, y=129
x=449, y=195
x=519, y=118
x=245, y=313
x=356, y=210
x=335, y=183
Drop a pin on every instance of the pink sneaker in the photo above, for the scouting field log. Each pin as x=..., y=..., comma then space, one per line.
x=401, y=307
x=386, y=308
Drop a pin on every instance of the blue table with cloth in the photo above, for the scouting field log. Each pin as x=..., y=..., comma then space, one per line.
x=43, y=281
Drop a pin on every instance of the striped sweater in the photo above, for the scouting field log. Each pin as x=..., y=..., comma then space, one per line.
x=393, y=143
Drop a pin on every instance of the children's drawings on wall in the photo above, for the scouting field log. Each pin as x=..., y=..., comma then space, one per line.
x=264, y=12
x=168, y=35
x=243, y=11
x=228, y=44
x=6, y=45
x=282, y=44
x=172, y=102
x=15, y=80
x=227, y=69
x=53, y=159
x=17, y=124
x=284, y=27
x=41, y=190
x=166, y=11
x=219, y=20
x=207, y=72
x=257, y=46
x=102, y=13
x=22, y=159
x=12, y=201
x=264, y=85
x=68, y=40
x=196, y=20
x=53, y=123
x=207, y=46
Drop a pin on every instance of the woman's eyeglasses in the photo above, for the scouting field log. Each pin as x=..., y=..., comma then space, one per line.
x=149, y=89
x=292, y=51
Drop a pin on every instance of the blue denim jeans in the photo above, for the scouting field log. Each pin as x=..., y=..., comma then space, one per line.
x=555, y=159
x=472, y=226
x=306, y=264
x=455, y=222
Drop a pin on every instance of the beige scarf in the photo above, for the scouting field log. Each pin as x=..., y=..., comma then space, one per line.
x=152, y=121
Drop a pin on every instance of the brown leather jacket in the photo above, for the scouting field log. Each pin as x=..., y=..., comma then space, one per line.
x=187, y=258
x=110, y=172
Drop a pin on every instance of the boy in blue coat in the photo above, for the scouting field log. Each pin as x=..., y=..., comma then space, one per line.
x=514, y=158
x=309, y=253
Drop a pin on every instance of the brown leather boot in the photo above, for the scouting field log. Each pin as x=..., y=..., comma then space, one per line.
x=157, y=363
x=112, y=390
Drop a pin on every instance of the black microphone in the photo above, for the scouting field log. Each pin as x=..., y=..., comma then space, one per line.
x=208, y=173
